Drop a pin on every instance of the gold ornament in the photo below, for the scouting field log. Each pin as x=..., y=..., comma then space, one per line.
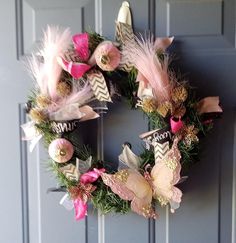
x=43, y=101
x=179, y=94
x=149, y=105
x=63, y=89
x=37, y=115
x=164, y=108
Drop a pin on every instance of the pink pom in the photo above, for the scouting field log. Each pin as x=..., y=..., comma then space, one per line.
x=61, y=150
x=107, y=56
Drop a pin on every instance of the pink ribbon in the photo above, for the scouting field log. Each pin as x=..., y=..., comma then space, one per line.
x=76, y=69
x=91, y=176
x=80, y=208
x=176, y=124
x=208, y=105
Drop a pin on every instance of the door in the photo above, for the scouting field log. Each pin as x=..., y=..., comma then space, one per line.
x=205, y=46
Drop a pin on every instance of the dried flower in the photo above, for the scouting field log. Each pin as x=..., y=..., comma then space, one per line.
x=179, y=94
x=63, y=89
x=179, y=111
x=61, y=150
x=164, y=108
x=149, y=105
x=107, y=56
x=43, y=101
x=38, y=115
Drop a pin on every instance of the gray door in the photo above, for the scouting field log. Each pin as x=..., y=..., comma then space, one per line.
x=204, y=33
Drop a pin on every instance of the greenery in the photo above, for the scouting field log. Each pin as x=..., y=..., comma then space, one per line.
x=107, y=201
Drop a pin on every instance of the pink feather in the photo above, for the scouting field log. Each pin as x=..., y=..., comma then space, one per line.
x=79, y=95
x=56, y=42
x=35, y=68
x=143, y=56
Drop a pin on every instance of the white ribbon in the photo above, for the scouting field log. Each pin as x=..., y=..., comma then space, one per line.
x=31, y=134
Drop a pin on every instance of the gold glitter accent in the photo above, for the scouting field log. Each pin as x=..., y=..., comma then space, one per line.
x=37, y=115
x=105, y=59
x=62, y=152
x=179, y=94
x=149, y=105
x=43, y=101
x=190, y=135
x=82, y=191
x=63, y=89
x=163, y=201
x=122, y=175
x=171, y=163
x=147, y=210
x=164, y=108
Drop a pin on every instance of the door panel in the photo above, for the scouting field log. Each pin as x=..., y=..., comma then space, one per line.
x=205, y=46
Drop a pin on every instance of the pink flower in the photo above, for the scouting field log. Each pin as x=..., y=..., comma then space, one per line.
x=91, y=176
x=107, y=56
x=61, y=150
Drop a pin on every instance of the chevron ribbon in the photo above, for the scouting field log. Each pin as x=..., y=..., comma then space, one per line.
x=160, y=150
x=71, y=172
x=99, y=86
x=124, y=34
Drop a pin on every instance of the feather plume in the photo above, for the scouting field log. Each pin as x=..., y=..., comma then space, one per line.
x=143, y=56
x=56, y=42
x=35, y=68
x=79, y=95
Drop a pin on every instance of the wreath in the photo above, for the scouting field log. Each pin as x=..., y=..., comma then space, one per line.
x=75, y=76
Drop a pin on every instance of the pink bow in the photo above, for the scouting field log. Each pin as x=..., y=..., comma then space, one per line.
x=209, y=104
x=81, y=45
x=91, y=176
x=80, y=203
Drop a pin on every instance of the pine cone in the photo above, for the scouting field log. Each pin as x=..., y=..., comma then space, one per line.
x=179, y=94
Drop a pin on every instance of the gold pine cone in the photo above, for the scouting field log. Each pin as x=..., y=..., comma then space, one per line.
x=43, y=101
x=149, y=105
x=164, y=108
x=63, y=89
x=179, y=94
x=37, y=115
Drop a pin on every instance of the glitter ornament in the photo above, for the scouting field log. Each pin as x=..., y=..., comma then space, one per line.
x=107, y=56
x=60, y=150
